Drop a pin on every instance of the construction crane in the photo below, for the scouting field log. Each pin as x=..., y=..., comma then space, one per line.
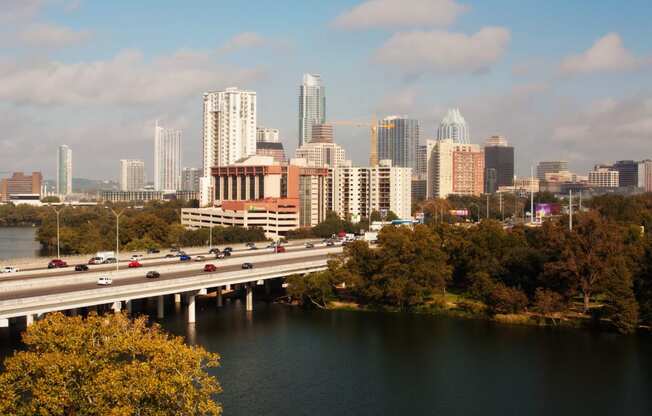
x=373, y=126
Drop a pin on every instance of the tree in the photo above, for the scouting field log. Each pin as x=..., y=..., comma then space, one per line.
x=50, y=199
x=505, y=299
x=107, y=365
x=314, y=289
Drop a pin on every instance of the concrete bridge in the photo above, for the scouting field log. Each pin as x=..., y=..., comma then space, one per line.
x=38, y=294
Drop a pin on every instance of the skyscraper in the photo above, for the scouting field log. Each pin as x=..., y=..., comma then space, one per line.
x=627, y=172
x=554, y=166
x=132, y=174
x=498, y=164
x=398, y=140
x=229, y=132
x=440, y=168
x=312, y=106
x=64, y=170
x=167, y=159
x=453, y=126
x=267, y=135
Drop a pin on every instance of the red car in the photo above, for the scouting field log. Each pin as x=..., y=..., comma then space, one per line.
x=210, y=268
x=279, y=249
x=56, y=263
x=134, y=263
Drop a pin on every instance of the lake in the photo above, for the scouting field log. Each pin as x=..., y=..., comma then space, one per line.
x=18, y=242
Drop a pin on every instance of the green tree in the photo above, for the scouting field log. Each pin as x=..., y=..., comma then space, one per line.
x=107, y=365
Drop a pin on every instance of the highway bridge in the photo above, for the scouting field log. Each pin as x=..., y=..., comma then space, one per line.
x=31, y=293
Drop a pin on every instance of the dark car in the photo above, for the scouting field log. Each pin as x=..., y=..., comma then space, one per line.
x=226, y=253
x=210, y=268
x=330, y=243
x=247, y=266
x=310, y=245
x=229, y=249
x=170, y=256
x=214, y=250
x=184, y=257
x=153, y=251
x=109, y=260
x=81, y=268
x=153, y=274
x=56, y=263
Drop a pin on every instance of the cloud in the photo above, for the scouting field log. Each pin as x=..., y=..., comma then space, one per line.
x=18, y=10
x=420, y=52
x=606, y=55
x=250, y=40
x=52, y=36
x=400, y=14
x=126, y=78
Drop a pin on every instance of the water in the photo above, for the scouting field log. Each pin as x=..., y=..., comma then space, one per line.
x=18, y=242
x=288, y=361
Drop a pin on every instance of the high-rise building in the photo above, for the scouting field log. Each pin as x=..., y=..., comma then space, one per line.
x=321, y=154
x=190, y=179
x=132, y=174
x=439, y=168
x=645, y=175
x=167, y=158
x=554, y=166
x=312, y=106
x=453, y=126
x=603, y=177
x=229, y=132
x=398, y=139
x=64, y=170
x=627, y=172
x=468, y=169
x=273, y=149
x=267, y=135
x=498, y=164
x=322, y=133
x=20, y=184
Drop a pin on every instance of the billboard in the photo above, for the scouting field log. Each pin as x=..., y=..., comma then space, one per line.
x=459, y=212
x=546, y=209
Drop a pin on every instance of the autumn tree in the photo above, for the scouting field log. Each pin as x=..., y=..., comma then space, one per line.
x=107, y=365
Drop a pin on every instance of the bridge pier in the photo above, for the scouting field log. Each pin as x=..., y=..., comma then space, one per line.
x=218, y=297
x=191, y=308
x=249, y=297
x=129, y=304
x=29, y=319
x=73, y=312
x=160, y=307
x=177, y=298
x=116, y=306
x=4, y=322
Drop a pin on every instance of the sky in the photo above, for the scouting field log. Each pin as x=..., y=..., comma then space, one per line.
x=560, y=79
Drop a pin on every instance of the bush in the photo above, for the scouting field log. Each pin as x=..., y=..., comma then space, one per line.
x=547, y=302
x=504, y=299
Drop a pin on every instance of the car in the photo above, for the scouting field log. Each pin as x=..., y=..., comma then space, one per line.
x=136, y=257
x=81, y=268
x=271, y=245
x=104, y=280
x=330, y=243
x=9, y=269
x=253, y=247
x=96, y=260
x=210, y=268
x=173, y=249
x=110, y=260
x=170, y=256
x=153, y=251
x=134, y=264
x=153, y=274
x=229, y=249
x=250, y=244
x=214, y=250
x=220, y=255
x=56, y=263
x=247, y=265
x=181, y=253
x=200, y=258
x=226, y=253
x=279, y=249
x=184, y=257
x=310, y=245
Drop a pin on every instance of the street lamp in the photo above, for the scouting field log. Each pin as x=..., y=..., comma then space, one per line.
x=210, y=237
x=477, y=208
x=117, y=237
x=58, y=211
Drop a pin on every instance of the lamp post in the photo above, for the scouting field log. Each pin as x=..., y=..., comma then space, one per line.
x=58, y=212
x=477, y=208
x=117, y=237
x=210, y=237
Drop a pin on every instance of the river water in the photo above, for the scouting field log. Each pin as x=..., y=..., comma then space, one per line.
x=18, y=242
x=282, y=360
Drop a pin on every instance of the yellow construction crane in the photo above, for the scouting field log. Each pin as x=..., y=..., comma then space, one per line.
x=373, y=126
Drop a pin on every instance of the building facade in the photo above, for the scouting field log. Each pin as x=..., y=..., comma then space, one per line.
x=322, y=154
x=439, y=168
x=190, y=179
x=20, y=184
x=627, y=172
x=167, y=158
x=147, y=195
x=398, y=140
x=498, y=164
x=273, y=149
x=468, y=170
x=267, y=135
x=64, y=170
x=453, y=126
x=322, y=133
x=132, y=174
x=312, y=106
x=603, y=177
x=554, y=166
x=645, y=175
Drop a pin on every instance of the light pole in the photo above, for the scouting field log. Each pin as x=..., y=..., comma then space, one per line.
x=117, y=237
x=210, y=237
x=58, y=211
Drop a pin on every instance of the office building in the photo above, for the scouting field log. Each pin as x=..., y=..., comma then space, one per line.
x=167, y=158
x=554, y=166
x=398, y=139
x=321, y=154
x=522, y=186
x=468, y=170
x=322, y=133
x=267, y=135
x=132, y=174
x=64, y=170
x=645, y=175
x=20, y=184
x=439, y=168
x=498, y=164
x=273, y=149
x=229, y=132
x=312, y=106
x=453, y=126
x=190, y=179
x=603, y=177
x=627, y=172
x=146, y=195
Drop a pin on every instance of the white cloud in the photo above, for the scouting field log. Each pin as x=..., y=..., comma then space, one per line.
x=401, y=13
x=52, y=36
x=606, y=55
x=249, y=40
x=444, y=52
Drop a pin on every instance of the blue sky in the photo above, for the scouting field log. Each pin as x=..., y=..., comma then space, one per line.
x=559, y=79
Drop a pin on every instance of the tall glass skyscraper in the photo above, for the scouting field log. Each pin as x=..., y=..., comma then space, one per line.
x=167, y=159
x=453, y=126
x=64, y=170
x=312, y=106
x=398, y=139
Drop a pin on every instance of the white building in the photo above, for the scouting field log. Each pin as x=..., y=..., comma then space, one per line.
x=229, y=132
x=167, y=158
x=132, y=174
x=312, y=106
x=603, y=177
x=355, y=192
x=453, y=126
x=439, y=157
x=267, y=135
x=321, y=154
x=645, y=175
x=190, y=179
x=64, y=170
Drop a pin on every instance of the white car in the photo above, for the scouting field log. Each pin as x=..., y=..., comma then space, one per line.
x=136, y=257
x=9, y=269
x=200, y=258
x=104, y=280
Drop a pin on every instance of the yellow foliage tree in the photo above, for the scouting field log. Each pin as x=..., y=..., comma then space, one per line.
x=107, y=365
